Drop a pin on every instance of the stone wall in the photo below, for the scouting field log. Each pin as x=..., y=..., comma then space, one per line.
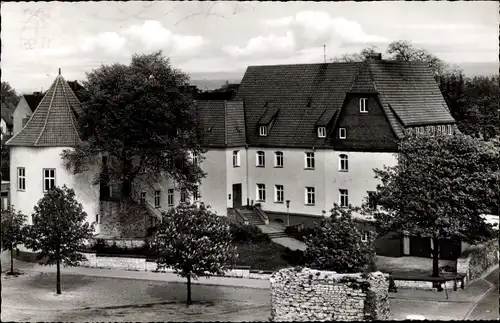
x=122, y=243
x=123, y=219
x=478, y=259
x=310, y=295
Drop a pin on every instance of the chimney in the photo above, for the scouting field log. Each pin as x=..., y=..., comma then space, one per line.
x=375, y=57
x=59, y=71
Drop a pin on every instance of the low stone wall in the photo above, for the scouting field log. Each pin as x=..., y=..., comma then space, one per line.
x=119, y=242
x=415, y=284
x=309, y=295
x=478, y=259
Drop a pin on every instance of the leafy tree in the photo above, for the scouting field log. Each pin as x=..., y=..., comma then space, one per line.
x=13, y=231
x=439, y=189
x=9, y=95
x=59, y=230
x=194, y=242
x=139, y=115
x=336, y=244
x=356, y=57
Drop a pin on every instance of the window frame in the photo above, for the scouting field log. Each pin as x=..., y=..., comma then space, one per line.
x=21, y=177
x=195, y=159
x=321, y=132
x=365, y=236
x=279, y=193
x=263, y=131
x=196, y=194
x=371, y=205
x=341, y=196
x=170, y=197
x=344, y=131
x=278, y=156
x=362, y=105
x=310, y=162
x=343, y=161
x=157, y=199
x=142, y=169
x=48, y=178
x=236, y=158
x=142, y=197
x=260, y=187
x=258, y=154
x=310, y=192
x=449, y=129
x=183, y=195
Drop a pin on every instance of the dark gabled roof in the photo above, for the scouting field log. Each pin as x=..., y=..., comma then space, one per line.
x=33, y=100
x=54, y=122
x=310, y=95
x=411, y=91
x=304, y=94
x=222, y=123
x=7, y=111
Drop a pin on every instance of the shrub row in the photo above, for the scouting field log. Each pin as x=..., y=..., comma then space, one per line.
x=247, y=233
x=299, y=234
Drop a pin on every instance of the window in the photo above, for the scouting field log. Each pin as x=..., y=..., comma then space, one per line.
x=195, y=159
x=183, y=195
x=342, y=133
x=278, y=161
x=321, y=132
x=261, y=159
x=310, y=196
x=170, y=163
x=362, y=105
x=432, y=130
x=170, y=197
x=261, y=192
x=278, y=193
x=142, y=170
x=365, y=236
x=49, y=178
x=97, y=218
x=236, y=158
x=196, y=194
x=310, y=160
x=143, y=198
x=371, y=200
x=438, y=130
x=263, y=131
x=449, y=129
x=422, y=131
x=344, y=200
x=21, y=178
x=343, y=163
x=157, y=198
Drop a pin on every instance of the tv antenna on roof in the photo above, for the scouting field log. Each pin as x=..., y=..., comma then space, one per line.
x=324, y=52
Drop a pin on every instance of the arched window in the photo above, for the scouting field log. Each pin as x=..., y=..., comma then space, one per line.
x=261, y=159
x=278, y=159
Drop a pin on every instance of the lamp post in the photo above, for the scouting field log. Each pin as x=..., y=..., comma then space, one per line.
x=287, y=213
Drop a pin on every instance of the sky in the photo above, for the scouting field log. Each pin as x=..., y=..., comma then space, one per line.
x=206, y=38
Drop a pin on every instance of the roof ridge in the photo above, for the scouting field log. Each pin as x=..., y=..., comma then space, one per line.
x=48, y=112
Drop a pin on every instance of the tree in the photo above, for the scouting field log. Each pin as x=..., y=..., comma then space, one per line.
x=5, y=157
x=365, y=54
x=194, y=242
x=59, y=230
x=439, y=189
x=336, y=244
x=13, y=232
x=9, y=95
x=140, y=116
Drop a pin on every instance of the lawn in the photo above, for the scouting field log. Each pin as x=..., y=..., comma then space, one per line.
x=261, y=255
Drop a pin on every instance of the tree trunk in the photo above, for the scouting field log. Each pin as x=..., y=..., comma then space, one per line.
x=435, y=257
x=58, y=274
x=189, y=301
x=11, y=260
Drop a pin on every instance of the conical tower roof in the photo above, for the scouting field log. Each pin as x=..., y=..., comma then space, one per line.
x=54, y=122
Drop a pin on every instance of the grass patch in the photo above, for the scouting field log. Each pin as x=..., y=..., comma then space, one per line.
x=261, y=255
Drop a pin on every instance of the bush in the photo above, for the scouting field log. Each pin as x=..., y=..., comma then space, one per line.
x=247, y=233
x=294, y=257
x=299, y=234
x=100, y=247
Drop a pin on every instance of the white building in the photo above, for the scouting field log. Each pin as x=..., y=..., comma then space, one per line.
x=35, y=153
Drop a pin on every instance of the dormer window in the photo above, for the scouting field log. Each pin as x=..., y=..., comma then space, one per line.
x=321, y=132
x=342, y=133
x=362, y=105
x=263, y=131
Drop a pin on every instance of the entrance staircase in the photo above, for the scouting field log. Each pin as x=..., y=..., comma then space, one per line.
x=252, y=216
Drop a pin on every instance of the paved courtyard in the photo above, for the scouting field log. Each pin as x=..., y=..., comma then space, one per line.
x=140, y=296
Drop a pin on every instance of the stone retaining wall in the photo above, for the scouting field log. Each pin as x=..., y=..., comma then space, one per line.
x=478, y=259
x=309, y=295
x=141, y=264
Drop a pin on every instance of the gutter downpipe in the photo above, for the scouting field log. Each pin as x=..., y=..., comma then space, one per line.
x=247, y=167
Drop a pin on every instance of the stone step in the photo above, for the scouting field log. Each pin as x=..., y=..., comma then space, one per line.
x=273, y=235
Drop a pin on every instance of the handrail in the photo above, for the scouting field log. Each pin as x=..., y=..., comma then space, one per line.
x=151, y=209
x=240, y=216
x=261, y=214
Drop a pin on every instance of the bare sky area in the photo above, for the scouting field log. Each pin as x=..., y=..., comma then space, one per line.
x=210, y=37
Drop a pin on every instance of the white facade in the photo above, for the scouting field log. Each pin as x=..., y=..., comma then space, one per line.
x=3, y=125
x=35, y=160
x=22, y=111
